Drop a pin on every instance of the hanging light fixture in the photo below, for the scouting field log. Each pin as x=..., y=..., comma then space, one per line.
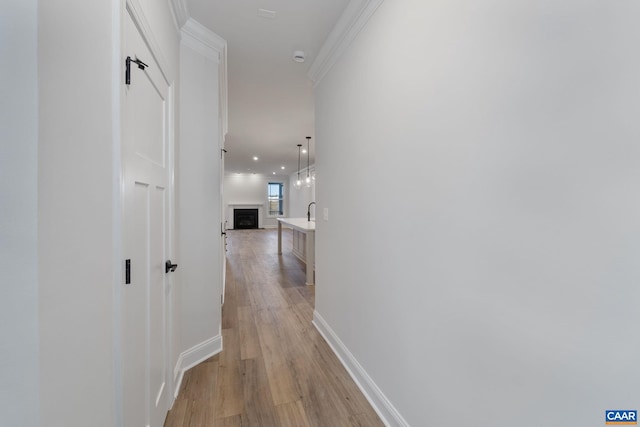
x=298, y=182
x=307, y=181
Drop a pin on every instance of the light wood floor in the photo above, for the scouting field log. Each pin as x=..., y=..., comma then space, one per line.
x=275, y=370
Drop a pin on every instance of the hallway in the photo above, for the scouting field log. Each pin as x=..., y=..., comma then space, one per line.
x=276, y=369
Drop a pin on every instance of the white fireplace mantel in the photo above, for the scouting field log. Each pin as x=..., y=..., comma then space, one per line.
x=232, y=206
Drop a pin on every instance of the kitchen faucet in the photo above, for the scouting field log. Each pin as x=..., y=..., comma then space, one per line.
x=309, y=211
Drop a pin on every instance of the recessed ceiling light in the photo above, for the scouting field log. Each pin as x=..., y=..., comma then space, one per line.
x=282, y=167
x=304, y=151
x=274, y=173
x=298, y=56
x=255, y=158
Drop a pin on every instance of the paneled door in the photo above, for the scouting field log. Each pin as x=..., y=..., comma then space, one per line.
x=147, y=234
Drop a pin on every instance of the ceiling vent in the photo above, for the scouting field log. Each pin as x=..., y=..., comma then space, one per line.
x=298, y=56
x=270, y=14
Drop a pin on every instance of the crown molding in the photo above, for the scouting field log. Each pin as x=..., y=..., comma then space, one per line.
x=179, y=12
x=203, y=40
x=352, y=21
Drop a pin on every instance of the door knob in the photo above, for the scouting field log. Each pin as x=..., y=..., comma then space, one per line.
x=169, y=267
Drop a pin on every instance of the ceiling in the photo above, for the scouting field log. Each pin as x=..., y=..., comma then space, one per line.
x=271, y=107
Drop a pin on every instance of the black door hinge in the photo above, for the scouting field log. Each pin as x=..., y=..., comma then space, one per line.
x=127, y=73
x=127, y=272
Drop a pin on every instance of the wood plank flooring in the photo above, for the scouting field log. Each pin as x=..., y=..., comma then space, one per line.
x=275, y=370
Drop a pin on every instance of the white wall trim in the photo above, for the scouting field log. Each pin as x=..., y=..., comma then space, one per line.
x=195, y=355
x=139, y=18
x=352, y=21
x=179, y=12
x=387, y=412
x=117, y=16
x=202, y=40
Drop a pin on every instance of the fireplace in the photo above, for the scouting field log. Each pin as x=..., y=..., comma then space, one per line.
x=245, y=219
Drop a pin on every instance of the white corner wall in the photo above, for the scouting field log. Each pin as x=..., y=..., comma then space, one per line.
x=19, y=349
x=199, y=275
x=481, y=261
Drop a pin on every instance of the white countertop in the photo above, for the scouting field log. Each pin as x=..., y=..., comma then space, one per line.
x=299, y=223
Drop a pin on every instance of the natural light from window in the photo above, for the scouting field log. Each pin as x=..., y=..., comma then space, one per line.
x=275, y=197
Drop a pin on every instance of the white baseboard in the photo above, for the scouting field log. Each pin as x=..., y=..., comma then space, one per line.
x=385, y=410
x=190, y=358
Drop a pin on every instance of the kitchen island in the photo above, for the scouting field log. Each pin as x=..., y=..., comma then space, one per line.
x=303, y=242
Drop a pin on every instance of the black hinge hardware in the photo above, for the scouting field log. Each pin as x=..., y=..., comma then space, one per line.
x=169, y=266
x=127, y=272
x=127, y=73
x=222, y=232
x=222, y=151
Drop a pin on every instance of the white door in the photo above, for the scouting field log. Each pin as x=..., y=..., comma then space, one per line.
x=147, y=236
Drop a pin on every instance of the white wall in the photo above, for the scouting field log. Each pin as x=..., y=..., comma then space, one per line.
x=199, y=275
x=300, y=198
x=252, y=189
x=508, y=294
x=75, y=209
x=19, y=371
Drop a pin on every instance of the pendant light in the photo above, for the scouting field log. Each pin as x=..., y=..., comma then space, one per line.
x=298, y=182
x=307, y=181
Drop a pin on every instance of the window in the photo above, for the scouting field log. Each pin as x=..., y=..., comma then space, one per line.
x=275, y=197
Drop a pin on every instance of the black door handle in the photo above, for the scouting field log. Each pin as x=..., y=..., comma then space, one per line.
x=169, y=267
